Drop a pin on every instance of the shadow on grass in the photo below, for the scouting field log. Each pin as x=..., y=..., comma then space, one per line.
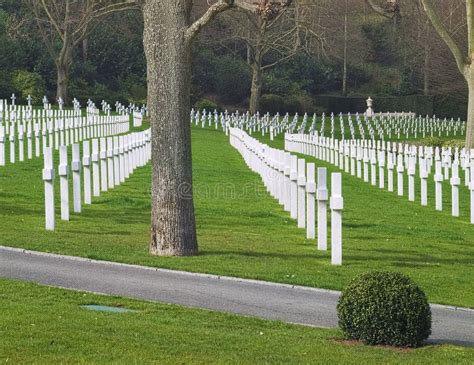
x=411, y=261
x=257, y=254
x=427, y=344
x=440, y=342
x=358, y=225
x=98, y=232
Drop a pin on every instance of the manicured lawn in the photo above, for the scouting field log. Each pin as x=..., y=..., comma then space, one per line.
x=43, y=325
x=244, y=232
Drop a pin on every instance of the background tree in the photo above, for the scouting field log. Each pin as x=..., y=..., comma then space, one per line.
x=464, y=57
x=380, y=63
x=344, y=43
x=64, y=24
x=267, y=41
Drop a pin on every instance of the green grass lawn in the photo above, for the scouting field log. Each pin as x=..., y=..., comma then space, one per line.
x=43, y=325
x=244, y=232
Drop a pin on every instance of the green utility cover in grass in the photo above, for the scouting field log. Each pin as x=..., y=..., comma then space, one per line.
x=105, y=308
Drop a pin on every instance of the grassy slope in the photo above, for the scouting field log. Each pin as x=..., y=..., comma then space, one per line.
x=243, y=232
x=42, y=325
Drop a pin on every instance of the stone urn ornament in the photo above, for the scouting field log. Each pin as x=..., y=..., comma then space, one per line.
x=370, y=111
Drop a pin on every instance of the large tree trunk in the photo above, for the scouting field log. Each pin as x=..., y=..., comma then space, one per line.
x=62, y=82
x=257, y=68
x=256, y=90
x=173, y=228
x=470, y=111
x=63, y=64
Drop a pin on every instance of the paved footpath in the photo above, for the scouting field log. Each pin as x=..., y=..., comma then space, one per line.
x=293, y=304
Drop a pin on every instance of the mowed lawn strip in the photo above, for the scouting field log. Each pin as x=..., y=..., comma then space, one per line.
x=243, y=232
x=43, y=325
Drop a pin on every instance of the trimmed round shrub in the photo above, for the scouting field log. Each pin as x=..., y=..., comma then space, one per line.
x=385, y=308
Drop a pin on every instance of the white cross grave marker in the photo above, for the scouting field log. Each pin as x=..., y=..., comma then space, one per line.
x=294, y=187
x=336, y=204
x=2, y=145
x=48, y=178
x=76, y=177
x=103, y=164
x=95, y=167
x=63, y=182
x=86, y=162
x=301, y=193
x=438, y=178
x=322, y=196
x=455, y=182
x=310, y=201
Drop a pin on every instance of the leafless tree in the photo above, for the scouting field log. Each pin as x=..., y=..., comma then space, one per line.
x=425, y=52
x=269, y=41
x=462, y=53
x=343, y=38
x=64, y=24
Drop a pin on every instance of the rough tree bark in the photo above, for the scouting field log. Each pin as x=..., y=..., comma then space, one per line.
x=256, y=88
x=257, y=71
x=168, y=52
x=168, y=37
x=62, y=82
x=63, y=65
x=464, y=62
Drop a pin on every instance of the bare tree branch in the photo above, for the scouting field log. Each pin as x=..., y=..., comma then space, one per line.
x=52, y=20
x=210, y=14
x=262, y=8
x=390, y=12
x=445, y=36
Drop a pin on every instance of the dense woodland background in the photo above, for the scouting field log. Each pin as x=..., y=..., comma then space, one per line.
x=320, y=56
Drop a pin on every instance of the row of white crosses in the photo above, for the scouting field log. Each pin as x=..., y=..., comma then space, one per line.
x=122, y=109
x=255, y=123
x=379, y=127
x=45, y=101
x=391, y=125
x=385, y=160
x=293, y=183
x=105, y=164
x=50, y=128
